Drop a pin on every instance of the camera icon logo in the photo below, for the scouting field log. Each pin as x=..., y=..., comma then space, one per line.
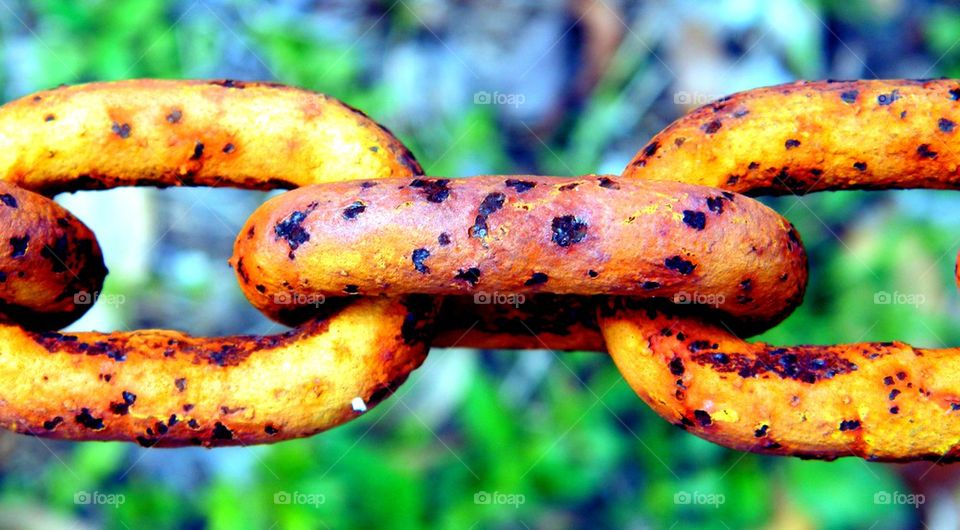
x=482, y=497
x=283, y=299
x=482, y=98
x=82, y=298
x=682, y=497
x=882, y=497
x=282, y=497
x=82, y=497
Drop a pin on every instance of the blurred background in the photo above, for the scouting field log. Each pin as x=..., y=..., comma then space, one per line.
x=491, y=439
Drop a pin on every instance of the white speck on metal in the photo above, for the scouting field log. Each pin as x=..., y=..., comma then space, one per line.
x=358, y=404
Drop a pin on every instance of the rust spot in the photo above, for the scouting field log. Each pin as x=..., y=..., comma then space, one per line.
x=568, y=230
x=434, y=190
x=418, y=256
x=800, y=364
x=711, y=127
x=121, y=129
x=86, y=419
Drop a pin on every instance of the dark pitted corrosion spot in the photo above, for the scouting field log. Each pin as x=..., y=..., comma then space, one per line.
x=49, y=118
x=694, y=219
x=174, y=116
x=479, y=228
x=568, y=230
x=925, y=152
x=434, y=190
x=123, y=407
x=520, y=186
x=592, y=273
x=703, y=417
x=860, y=166
x=946, y=125
x=221, y=432
x=418, y=256
x=537, y=278
x=649, y=285
x=955, y=94
x=761, y=432
x=8, y=200
x=355, y=209
x=569, y=187
x=700, y=345
x=886, y=99
x=143, y=441
x=229, y=148
x=18, y=246
x=51, y=424
x=471, y=275
x=291, y=229
x=676, y=366
x=651, y=149
x=197, y=151
x=850, y=96
x=351, y=289
x=849, y=425
x=270, y=430
x=609, y=183
x=788, y=363
x=87, y=420
x=791, y=143
x=715, y=204
x=679, y=264
x=712, y=127
x=121, y=129
x=893, y=394
x=443, y=239
x=490, y=204
x=180, y=383
x=229, y=83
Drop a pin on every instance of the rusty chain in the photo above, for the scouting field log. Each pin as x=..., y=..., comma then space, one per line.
x=373, y=262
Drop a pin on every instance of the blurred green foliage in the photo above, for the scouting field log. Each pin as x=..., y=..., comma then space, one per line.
x=581, y=449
